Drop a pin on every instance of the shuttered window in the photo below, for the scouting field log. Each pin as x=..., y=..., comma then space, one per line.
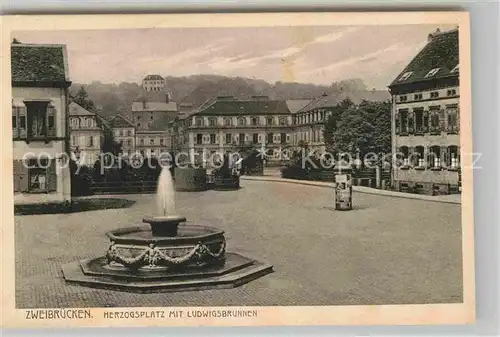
x=35, y=176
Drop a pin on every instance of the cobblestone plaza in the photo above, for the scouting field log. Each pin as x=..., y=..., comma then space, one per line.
x=387, y=250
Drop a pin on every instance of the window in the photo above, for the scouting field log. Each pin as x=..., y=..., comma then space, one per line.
x=456, y=69
x=241, y=121
x=434, y=119
x=229, y=138
x=417, y=97
x=432, y=72
x=142, y=141
x=270, y=121
x=227, y=122
x=254, y=121
x=212, y=122
x=418, y=157
x=454, y=155
x=212, y=138
x=241, y=138
x=435, y=94
x=129, y=133
x=73, y=141
x=270, y=138
x=419, y=120
x=138, y=118
x=129, y=142
x=451, y=92
x=255, y=138
x=403, y=116
x=283, y=138
x=199, y=121
x=91, y=141
x=403, y=98
x=404, y=153
x=405, y=76
x=138, y=124
x=434, y=160
x=35, y=176
x=199, y=138
x=152, y=141
x=283, y=121
x=162, y=141
x=452, y=113
x=152, y=117
x=38, y=119
x=121, y=133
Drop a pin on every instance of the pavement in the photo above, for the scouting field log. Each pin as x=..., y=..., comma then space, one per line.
x=385, y=251
x=271, y=176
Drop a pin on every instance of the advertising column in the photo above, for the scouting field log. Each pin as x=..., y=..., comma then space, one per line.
x=343, y=190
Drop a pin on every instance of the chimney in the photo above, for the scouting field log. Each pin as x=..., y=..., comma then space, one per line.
x=431, y=35
x=167, y=99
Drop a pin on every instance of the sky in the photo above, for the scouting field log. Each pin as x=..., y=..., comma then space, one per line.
x=319, y=55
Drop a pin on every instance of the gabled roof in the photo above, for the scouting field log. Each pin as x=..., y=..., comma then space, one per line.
x=39, y=64
x=243, y=107
x=77, y=110
x=153, y=77
x=120, y=122
x=441, y=52
x=356, y=97
x=154, y=106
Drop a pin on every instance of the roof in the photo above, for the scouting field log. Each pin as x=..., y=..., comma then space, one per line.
x=295, y=105
x=77, y=110
x=243, y=107
x=37, y=63
x=154, y=106
x=440, y=52
x=153, y=77
x=120, y=122
x=328, y=101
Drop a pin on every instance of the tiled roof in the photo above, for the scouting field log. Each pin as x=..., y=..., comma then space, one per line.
x=328, y=101
x=440, y=52
x=120, y=122
x=154, y=106
x=39, y=63
x=77, y=110
x=295, y=105
x=243, y=107
x=153, y=77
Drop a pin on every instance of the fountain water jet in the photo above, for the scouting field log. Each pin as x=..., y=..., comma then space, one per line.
x=166, y=255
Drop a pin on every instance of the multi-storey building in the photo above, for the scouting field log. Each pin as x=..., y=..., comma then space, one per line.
x=309, y=121
x=156, y=140
x=153, y=83
x=145, y=113
x=40, y=84
x=86, y=134
x=124, y=133
x=228, y=124
x=425, y=118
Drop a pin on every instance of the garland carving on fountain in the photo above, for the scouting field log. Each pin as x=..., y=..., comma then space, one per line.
x=152, y=256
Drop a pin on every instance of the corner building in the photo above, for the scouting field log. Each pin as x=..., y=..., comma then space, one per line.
x=426, y=119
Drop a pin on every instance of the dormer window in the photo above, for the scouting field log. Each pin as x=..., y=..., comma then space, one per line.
x=456, y=69
x=432, y=72
x=405, y=76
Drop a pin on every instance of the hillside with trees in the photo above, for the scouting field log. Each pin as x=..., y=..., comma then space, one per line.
x=111, y=98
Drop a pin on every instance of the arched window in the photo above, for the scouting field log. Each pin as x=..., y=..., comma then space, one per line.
x=228, y=121
x=212, y=121
x=434, y=157
x=283, y=121
x=454, y=157
x=404, y=155
x=242, y=121
x=199, y=121
x=254, y=121
x=418, y=157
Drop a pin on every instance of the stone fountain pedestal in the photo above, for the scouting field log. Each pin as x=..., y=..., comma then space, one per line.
x=167, y=255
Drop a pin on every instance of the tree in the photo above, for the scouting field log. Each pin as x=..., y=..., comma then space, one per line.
x=333, y=120
x=365, y=128
x=81, y=98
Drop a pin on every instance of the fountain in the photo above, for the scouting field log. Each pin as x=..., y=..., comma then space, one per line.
x=167, y=255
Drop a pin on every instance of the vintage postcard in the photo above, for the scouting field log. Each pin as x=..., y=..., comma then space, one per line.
x=237, y=169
